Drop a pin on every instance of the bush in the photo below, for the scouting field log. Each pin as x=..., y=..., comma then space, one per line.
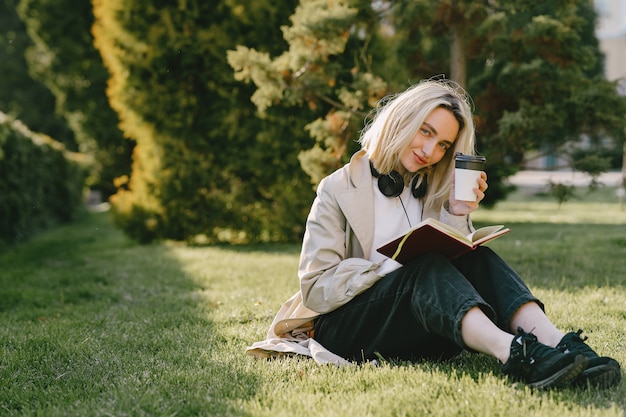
x=41, y=182
x=205, y=168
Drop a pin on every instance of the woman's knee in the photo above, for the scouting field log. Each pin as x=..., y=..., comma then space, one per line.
x=430, y=260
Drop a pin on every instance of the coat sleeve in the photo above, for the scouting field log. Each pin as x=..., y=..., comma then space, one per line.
x=328, y=277
x=461, y=223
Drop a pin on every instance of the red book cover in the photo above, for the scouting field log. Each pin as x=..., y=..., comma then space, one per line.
x=432, y=236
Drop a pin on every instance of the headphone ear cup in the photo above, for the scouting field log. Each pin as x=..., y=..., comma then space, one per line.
x=391, y=185
x=419, y=191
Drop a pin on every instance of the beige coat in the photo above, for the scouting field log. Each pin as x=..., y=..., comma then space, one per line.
x=333, y=264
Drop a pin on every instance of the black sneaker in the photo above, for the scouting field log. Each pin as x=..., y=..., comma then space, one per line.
x=539, y=365
x=601, y=371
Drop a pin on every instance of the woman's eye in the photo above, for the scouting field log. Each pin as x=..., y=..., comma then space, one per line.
x=425, y=132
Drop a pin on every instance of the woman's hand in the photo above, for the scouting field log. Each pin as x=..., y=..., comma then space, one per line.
x=460, y=207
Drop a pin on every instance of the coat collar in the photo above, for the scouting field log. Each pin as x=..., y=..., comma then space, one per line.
x=357, y=201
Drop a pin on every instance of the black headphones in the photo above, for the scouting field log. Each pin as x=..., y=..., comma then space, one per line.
x=392, y=184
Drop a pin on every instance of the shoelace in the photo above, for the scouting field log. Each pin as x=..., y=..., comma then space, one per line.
x=577, y=343
x=578, y=333
x=526, y=339
x=538, y=349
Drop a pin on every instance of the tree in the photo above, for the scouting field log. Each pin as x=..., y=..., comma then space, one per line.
x=64, y=58
x=21, y=96
x=532, y=68
x=327, y=68
x=205, y=167
x=41, y=182
x=543, y=84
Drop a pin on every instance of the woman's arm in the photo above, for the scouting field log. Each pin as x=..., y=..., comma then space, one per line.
x=329, y=276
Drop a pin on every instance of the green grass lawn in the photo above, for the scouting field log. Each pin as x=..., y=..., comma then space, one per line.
x=94, y=324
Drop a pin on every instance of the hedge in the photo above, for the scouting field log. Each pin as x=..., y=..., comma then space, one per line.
x=41, y=182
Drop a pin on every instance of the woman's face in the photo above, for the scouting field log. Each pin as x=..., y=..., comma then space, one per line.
x=436, y=135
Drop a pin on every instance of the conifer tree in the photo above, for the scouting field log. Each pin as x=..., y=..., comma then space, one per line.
x=205, y=167
x=534, y=70
x=64, y=59
x=21, y=96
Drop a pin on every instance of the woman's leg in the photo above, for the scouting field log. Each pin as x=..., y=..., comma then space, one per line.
x=495, y=281
x=482, y=335
x=531, y=317
x=499, y=285
x=430, y=308
x=413, y=312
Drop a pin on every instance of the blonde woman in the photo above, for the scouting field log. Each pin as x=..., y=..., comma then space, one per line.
x=359, y=304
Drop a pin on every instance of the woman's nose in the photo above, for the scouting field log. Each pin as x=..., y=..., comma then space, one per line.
x=427, y=148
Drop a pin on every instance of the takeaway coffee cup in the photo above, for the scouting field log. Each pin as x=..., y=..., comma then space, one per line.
x=467, y=169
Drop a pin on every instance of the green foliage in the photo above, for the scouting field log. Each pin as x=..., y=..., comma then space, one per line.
x=562, y=192
x=594, y=165
x=21, y=96
x=533, y=68
x=64, y=58
x=328, y=69
x=42, y=183
x=210, y=167
x=205, y=168
x=543, y=83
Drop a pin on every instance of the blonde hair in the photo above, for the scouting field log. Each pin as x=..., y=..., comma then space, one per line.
x=397, y=120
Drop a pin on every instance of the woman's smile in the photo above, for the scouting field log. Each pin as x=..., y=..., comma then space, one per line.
x=436, y=135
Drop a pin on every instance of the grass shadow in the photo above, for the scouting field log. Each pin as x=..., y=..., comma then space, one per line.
x=94, y=324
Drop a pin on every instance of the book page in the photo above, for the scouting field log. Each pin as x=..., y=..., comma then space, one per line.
x=449, y=230
x=484, y=232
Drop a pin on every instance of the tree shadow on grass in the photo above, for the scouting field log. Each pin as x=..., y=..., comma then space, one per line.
x=95, y=324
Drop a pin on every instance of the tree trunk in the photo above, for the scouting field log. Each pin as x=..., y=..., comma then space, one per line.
x=458, y=58
x=624, y=167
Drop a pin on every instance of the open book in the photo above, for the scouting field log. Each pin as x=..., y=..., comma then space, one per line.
x=433, y=236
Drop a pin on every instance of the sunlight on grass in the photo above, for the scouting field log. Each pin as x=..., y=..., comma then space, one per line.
x=599, y=207
x=549, y=212
x=245, y=287
x=95, y=324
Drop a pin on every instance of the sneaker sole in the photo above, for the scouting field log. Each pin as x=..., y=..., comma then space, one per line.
x=601, y=376
x=564, y=376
